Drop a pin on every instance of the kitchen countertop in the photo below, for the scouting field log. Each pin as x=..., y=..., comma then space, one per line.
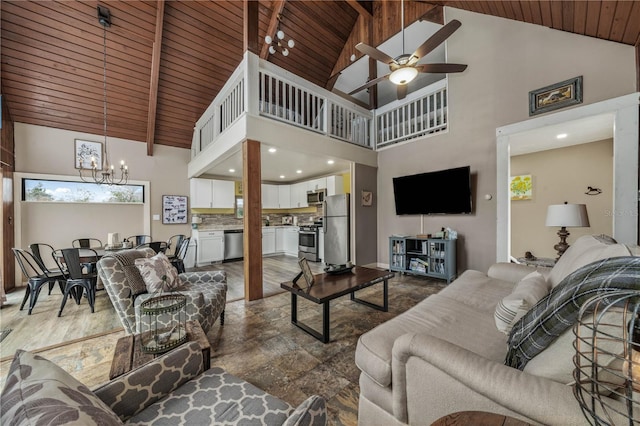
x=226, y=228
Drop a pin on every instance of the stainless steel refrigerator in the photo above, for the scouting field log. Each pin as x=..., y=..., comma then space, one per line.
x=336, y=230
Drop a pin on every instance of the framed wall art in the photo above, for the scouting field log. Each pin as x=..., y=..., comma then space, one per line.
x=556, y=96
x=367, y=198
x=86, y=152
x=174, y=209
x=521, y=187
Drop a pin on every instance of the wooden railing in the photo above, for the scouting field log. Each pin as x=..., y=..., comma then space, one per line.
x=261, y=88
x=421, y=113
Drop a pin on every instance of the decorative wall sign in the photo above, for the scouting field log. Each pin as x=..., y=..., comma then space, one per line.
x=174, y=209
x=521, y=187
x=87, y=151
x=556, y=96
x=367, y=198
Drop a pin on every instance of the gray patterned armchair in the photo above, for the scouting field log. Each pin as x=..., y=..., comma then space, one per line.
x=206, y=291
x=171, y=389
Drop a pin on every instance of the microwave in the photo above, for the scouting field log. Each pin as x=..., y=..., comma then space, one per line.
x=316, y=197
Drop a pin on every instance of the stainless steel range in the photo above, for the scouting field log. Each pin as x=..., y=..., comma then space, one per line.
x=308, y=242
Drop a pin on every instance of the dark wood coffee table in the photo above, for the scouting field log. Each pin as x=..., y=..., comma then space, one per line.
x=327, y=287
x=129, y=355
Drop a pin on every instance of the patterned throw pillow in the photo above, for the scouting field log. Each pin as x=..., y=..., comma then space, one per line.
x=158, y=273
x=529, y=291
x=39, y=392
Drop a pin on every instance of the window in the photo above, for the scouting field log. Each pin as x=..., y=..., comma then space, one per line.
x=59, y=191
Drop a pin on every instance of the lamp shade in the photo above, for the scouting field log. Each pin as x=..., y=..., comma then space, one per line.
x=567, y=215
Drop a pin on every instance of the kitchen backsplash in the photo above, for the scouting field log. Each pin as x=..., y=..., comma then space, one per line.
x=229, y=220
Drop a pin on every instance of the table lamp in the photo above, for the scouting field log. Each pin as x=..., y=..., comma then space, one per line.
x=566, y=215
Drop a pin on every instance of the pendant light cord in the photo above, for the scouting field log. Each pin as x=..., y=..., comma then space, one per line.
x=104, y=94
x=402, y=23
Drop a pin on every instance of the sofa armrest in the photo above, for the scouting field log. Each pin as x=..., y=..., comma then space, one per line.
x=511, y=272
x=131, y=393
x=461, y=380
x=312, y=412
x=204, y=276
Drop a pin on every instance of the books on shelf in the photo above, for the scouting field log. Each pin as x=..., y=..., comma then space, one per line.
x=418, y=265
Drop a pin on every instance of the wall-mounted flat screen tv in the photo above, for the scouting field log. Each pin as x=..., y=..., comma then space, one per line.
x=440, y=192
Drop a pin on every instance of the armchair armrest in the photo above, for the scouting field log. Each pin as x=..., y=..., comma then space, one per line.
x=131, y=393
x=467, y=381
x=312, y=412
x=511, y=272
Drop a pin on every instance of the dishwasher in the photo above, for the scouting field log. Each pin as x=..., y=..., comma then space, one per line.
x=233, y=244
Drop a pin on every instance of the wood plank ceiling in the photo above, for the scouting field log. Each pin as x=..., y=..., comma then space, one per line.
x=52, y=52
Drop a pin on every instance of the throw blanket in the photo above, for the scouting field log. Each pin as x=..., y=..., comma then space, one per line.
x=127, y=259
x=557, y=312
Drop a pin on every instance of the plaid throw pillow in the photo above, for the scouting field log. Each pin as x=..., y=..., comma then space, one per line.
x=559, y=310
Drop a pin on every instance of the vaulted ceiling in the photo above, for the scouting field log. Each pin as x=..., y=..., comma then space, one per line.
x=52, y=52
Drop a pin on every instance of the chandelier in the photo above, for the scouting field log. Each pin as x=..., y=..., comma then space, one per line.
x=107, y=174
x=277, y=42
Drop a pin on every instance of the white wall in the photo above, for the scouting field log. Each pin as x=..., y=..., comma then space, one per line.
x=506, y=59
x=47, y=150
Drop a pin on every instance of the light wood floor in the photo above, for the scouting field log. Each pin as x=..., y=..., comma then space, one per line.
x=43, y=328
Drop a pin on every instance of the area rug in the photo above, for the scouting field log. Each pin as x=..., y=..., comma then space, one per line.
x=4, y=333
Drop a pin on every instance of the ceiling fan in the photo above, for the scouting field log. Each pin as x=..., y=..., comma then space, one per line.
x=405, y=68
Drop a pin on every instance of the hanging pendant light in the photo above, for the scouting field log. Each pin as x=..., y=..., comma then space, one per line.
x=107, y=174
x=277, y=43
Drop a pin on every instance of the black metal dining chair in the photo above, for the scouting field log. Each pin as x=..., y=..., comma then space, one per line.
x=86, y=243
x=157, y=246
x=178, y=260
x=137, y=240
x=43, y=252
x=36, y=276
x=76, y=280
x=173, y=245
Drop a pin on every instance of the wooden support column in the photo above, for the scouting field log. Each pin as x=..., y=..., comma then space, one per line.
x=155, y=76
x=250, y=26
x=638, y=65
x=252, y=193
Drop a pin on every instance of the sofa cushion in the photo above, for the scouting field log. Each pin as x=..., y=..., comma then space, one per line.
x=158, y=273
x=585, y=250
x=525, y=295
x=39, y=392
x=475, y=288
x=216, y=397
x=441, y=316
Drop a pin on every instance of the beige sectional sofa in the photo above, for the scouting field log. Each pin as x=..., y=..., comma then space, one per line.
x=446, y=354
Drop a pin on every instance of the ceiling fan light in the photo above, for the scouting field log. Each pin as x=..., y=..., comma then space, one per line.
x=272, y=50
x=268, y=39
x=403, y=75
x=291, y=43
x=280, y=34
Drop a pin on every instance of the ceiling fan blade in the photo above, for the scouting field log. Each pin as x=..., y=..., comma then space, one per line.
x=370, y=83
x=441, y=68
x=402, y=91
x=435, y=40
x=375, y=53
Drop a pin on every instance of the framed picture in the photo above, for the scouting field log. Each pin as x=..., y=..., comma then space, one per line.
x=306, y=271
x=556, y=96
x=367, y=198
x=174, y=209
x=87, y=152
x=521, y=187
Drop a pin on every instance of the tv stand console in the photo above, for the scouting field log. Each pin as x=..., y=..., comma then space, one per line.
x=430, y=257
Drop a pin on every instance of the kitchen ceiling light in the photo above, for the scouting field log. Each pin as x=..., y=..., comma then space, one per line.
x=232, y=170
x=272, y=150
x=330, y=162
x=403, y=75
x=561, y=136
x=298, y=171
x=281, y=176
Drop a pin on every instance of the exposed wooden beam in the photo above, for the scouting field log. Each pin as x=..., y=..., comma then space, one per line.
x=252, y=194
x=250, y=26
x=155, y=74
x=435, y=15
x=350, y=98
x=278, y=7
x=359, y=8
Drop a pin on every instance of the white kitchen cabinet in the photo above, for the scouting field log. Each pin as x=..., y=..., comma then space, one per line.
x=210, y=246
x=284, y=196
x=299, y=195
x=269, y=196
x=334, y=185
x=268, y=240
x=212, y=193
x=291, y=240
x=280, y=240
x=316, y=184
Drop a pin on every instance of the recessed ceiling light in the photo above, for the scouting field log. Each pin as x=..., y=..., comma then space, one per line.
x=272, y=150
x=561, y=136
x=281, y=176
x=298, y=171
x=330, y=162
x=232, y=170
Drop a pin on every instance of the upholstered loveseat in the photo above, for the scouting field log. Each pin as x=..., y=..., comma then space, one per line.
x=206, y=291
x=171, y=389
x=446, y=354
